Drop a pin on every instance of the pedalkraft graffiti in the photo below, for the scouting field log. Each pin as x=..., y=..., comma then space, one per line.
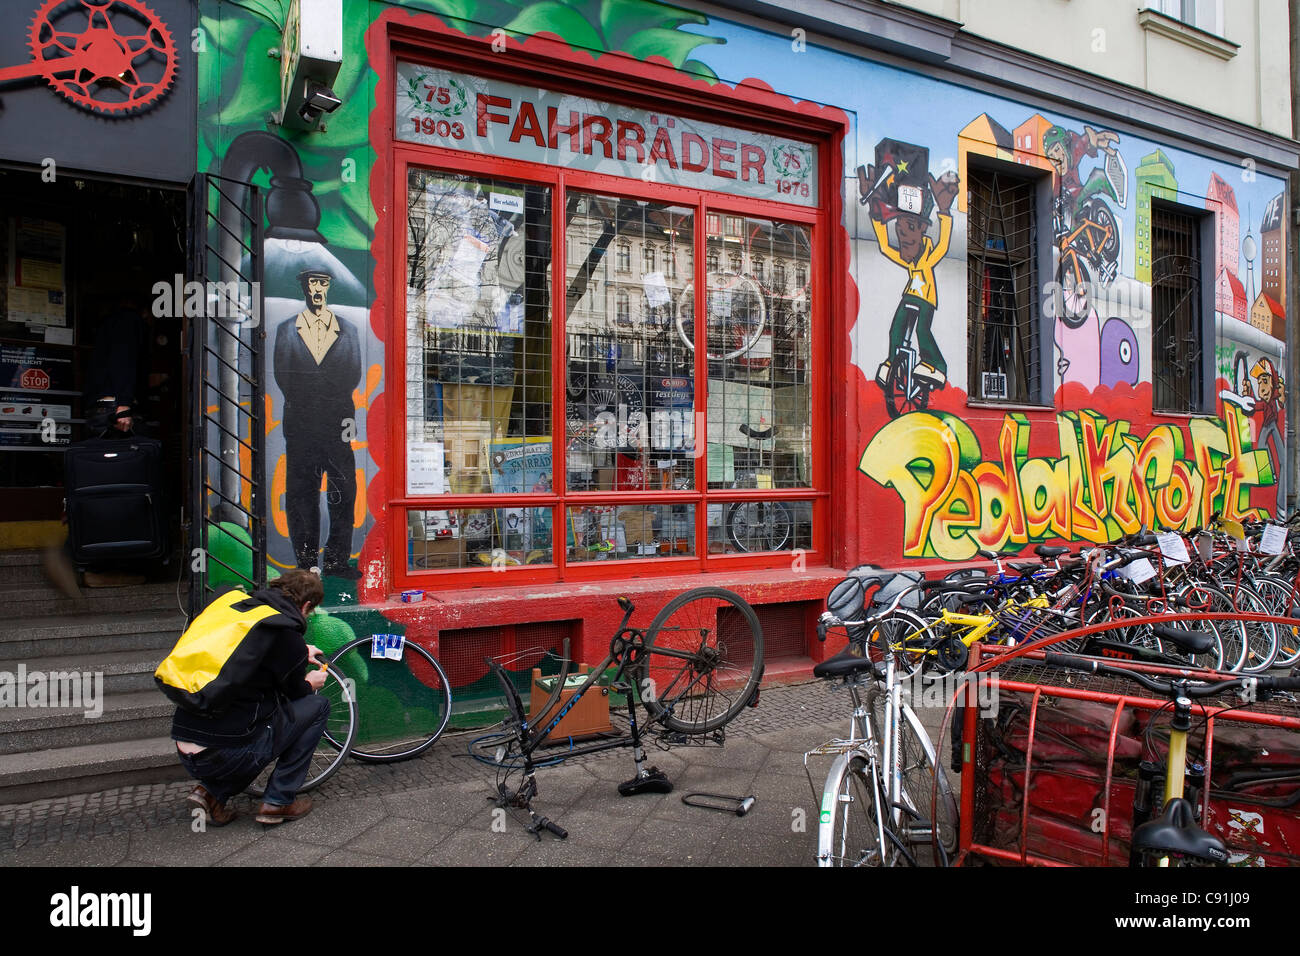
x=1106, y=482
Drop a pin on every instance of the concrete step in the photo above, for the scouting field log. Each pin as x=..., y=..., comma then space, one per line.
x=121, y=717
x=32, y=638
x=125, y=672
x=21, y=566
x=41, y=774
x=40, y=598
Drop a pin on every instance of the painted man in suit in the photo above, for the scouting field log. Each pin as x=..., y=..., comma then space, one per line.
x=317, y=366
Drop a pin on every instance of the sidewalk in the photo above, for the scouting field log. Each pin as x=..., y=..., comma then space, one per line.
x=434, y=810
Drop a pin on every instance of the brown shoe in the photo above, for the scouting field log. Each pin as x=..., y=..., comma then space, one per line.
x=275, y=813
x=216, y=814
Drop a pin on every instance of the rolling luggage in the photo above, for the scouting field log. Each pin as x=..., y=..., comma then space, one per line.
x=114, y=500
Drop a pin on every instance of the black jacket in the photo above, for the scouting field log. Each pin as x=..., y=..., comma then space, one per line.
x=281, y=673
x=317, y=396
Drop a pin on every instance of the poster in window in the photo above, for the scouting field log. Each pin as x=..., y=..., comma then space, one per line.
x=523, y=467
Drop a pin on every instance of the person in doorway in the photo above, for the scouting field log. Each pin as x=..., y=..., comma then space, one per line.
x=277, y=715
x=317, y=365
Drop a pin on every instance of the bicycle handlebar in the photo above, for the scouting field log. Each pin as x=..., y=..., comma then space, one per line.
x=1167, y=687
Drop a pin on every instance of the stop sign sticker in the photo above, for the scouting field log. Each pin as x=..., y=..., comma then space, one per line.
x=34, y=378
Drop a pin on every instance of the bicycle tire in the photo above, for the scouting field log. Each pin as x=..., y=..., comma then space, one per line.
x=335, y=743
x=1277, y=594
x=906, y=636
x=1261, y=637
x=764, y=537
x=1230, y=649
x=847, y=834
x=703, y=651
x=385, y=735
x=897, y=397
x=686, y=323
x=927, y=811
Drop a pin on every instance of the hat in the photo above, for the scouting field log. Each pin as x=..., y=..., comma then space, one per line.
x=314, y=274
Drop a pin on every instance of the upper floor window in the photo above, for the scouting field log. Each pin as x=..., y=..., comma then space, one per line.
x=1001, y=255
x=1205, y=15
x=624, y=257
x=1178, y=333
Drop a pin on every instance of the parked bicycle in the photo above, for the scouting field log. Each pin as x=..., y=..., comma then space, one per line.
x=696, y=666
x=885, y=796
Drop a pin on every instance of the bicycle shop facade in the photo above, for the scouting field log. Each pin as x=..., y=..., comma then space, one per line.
x=561, y=306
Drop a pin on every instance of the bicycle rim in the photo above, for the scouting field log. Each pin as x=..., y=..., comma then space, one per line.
x=403, y=705
x=335, y=744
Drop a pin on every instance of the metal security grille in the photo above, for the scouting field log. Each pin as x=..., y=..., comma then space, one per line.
x=1176, y=336
x=226, y=372
x=1003, y=357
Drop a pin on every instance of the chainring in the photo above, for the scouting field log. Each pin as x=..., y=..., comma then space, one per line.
x=107, y=62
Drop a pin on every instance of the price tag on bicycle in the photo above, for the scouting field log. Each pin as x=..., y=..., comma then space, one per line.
x=1274, y=539
x=1139, y=571
x=1173, y=548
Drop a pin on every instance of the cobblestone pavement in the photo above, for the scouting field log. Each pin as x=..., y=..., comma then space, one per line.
x=433, y=809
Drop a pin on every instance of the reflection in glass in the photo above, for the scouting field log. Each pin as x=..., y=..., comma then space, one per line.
x=613, y=532
x=630, y=377
x=477, y=538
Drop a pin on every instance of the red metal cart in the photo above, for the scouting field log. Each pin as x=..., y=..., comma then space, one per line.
x=1048, y=778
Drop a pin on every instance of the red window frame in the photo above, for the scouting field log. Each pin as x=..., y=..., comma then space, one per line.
x=440, y=50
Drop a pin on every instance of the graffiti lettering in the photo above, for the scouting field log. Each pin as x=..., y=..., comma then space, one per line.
x=1106, y=482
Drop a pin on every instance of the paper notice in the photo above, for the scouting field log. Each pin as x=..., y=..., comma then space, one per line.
x=656, y=289
x=1137, y=572
x=1274, y=539
x=1173, y=548
x=424, y=468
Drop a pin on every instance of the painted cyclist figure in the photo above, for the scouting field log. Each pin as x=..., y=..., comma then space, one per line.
x=916, y=252
x=1066, y=149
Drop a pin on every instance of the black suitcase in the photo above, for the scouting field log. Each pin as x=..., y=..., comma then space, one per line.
x=114, y=500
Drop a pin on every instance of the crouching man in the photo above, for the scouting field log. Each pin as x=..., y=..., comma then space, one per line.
x=270, y=709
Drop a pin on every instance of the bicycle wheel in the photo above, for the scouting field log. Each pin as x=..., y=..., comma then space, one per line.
x=901, y=396
x=1230, y=647
x=759, y=525
x=849, y=832
x=335, y=744
x=403, y=705
x=908, y=638
x=1261, y=637
x=702, y=661
x=1277, y=594
x=928, y=813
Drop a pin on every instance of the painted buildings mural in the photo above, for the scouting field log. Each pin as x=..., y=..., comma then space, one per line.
x=939, y=468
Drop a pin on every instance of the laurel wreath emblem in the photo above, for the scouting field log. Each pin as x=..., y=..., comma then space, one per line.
x=455, y=108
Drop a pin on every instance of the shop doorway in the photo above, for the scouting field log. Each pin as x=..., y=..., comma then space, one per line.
x=82, y=259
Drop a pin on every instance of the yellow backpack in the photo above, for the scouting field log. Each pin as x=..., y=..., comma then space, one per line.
x=219, y=651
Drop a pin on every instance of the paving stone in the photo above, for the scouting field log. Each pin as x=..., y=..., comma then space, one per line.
x=268, y=852
x=400, y=839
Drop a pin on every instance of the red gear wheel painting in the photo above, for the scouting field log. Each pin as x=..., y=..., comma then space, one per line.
x=109, y=56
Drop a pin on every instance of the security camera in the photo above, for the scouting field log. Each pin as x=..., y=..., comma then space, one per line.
x=318, y=99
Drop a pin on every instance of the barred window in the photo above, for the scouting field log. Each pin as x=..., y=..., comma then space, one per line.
x=1177, y=328
x=1003, y=356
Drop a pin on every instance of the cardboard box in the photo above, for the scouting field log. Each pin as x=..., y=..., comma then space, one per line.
x=438, y=553
x=638, y=525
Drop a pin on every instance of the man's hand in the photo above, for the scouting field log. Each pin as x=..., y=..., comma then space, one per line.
x=316, y=679
x=1101, y=139
x=315, y=655
x=944, y=190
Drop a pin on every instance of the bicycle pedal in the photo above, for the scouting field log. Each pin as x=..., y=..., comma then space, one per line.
x=655, y=781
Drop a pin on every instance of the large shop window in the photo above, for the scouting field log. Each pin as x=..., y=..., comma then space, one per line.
x=1177, y=325
x=553, y=381
x=1003, y=283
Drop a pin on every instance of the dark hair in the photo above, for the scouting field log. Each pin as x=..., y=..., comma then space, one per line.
x=301, y=587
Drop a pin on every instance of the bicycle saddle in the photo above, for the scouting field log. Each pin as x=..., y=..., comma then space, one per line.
x=846, y=664
x=1193, y=642
x=1025, y=567
x=1175, y=831
x=1050, y=551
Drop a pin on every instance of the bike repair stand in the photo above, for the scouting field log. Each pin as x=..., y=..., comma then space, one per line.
x=647, y=780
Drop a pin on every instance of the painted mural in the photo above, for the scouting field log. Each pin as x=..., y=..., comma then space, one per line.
x=937, y=475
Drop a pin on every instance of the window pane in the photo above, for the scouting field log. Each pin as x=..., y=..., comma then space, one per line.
x=758, y=338
x=1001, y=250
x=630, y=374
x=611, y=532
x=478, y=391
x=749, y=526
x=477, y=538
